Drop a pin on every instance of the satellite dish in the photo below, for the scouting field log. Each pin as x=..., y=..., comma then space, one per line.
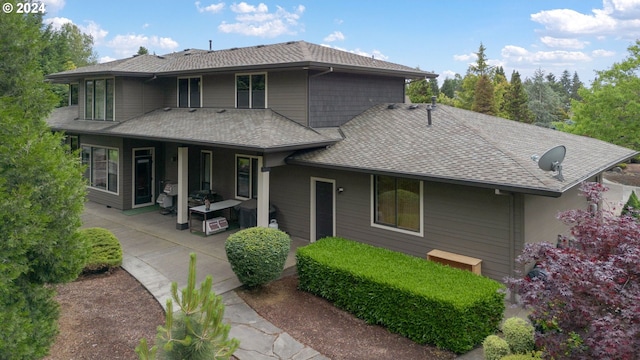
x=552, y=160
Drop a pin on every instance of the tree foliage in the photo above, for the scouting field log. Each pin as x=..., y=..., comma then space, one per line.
x=517, y=102
x=544, y=102
x=42, y=194
x=196, y=331
x=420, y=91
x=610, y=109
x=483, y=101
x=585, y=306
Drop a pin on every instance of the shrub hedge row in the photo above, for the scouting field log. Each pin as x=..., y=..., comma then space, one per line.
x=422, y=300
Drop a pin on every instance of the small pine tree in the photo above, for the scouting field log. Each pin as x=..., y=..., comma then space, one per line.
x=632, y=207
x=196, y=331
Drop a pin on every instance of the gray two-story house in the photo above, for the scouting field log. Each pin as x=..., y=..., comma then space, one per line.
x=324, y=137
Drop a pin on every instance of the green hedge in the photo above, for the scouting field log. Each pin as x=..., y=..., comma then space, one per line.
x=422, y=300
x=105, y=251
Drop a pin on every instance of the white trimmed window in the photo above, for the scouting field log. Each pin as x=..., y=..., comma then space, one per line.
x=101, y=167
x=251, y=91
x=397, y=204
x=190, y=92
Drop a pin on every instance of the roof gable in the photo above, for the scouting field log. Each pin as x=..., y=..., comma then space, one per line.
x=462, y=147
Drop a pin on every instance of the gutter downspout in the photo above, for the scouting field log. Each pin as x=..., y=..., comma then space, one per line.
x=322, y=73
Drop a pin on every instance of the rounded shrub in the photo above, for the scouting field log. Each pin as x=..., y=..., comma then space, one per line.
x=519, y=334
x=105, y=251
x=257, y=255
x=495, y=347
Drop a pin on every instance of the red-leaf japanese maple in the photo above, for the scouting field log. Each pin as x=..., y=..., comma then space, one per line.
x=584, y=296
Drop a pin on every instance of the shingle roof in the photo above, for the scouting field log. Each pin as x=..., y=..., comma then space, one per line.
x=258, y=129
x=462, y=147
x=289, y=54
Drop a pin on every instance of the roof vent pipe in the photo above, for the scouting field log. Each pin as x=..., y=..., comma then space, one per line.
x=429, y=115
x=433, y=101
x=210, y=44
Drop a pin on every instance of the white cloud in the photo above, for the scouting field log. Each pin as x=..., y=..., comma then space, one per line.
x=376, y=54
x=53, y=6
x=334, y=36
x=515, y=54
x=258, y=21
x=213, y=8
x=57, y=22
x=127, y=45
x=465, y=57
x=602, y=53
x=105, y=59
x=92, y=28
x=563, y=43
x=245, y=8
x=447, y=74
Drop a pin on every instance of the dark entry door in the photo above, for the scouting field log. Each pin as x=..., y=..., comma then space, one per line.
x=143, y=180
x=324, y=209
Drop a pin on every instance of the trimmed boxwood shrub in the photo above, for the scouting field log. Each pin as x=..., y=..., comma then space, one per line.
x=257, y=255
x=425, y=301
x=531, y=356
x=495, y=348
x=105, y=251
x=519, y=334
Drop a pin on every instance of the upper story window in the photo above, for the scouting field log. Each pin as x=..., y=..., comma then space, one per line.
x=73, y=94
x=189, y=92
x=397, y=204
x=98, y=99
x=251, y=91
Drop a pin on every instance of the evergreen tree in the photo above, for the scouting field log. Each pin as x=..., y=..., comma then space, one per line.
x=544, y=102
x=465, y=97
x=500, y=93
x=196, y=331
x=517, y=103
x=450, y=86
x=576, y=85
x=481, y=66
x=143, y=51
x=483, y=101
x=42, y=194
x=419, y=91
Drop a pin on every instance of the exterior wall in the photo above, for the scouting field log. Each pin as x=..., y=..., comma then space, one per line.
x=128, y=98
x=465, y=220
x=287, y=94
x=540, y=215
x=218, y=91
x=336, y=98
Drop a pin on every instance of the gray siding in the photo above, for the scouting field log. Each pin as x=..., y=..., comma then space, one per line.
x=336, y=98
x=540, y=215
x=287, y=94
x=218, y=91
x=465, y=220
x=128, y=98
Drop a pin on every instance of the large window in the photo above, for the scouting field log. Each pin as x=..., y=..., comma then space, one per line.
x=189, y=90
x=246, y=177
x=101, y=167
x=251, y=91
x=98, y=99
x=73, y=94
x=397, y=203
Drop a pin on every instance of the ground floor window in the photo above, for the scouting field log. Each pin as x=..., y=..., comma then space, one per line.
x=397, y=203
x=246, y=177
x=101, y=167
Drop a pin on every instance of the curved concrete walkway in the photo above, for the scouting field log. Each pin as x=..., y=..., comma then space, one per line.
x=157, y=254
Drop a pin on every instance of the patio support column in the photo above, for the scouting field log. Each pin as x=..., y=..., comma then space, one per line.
x=183, y=188
x=263, y=194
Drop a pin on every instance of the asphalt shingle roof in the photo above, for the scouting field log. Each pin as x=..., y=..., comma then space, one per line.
x=462, y=147
x=259, y=129
x=293, y=53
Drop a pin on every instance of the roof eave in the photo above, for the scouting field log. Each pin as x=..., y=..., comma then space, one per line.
x=486, y=185
x=61, y=78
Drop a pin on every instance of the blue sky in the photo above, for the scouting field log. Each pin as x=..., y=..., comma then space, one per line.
x=435, y=35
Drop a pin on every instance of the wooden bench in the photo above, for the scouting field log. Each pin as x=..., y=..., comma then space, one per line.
x=456, y=260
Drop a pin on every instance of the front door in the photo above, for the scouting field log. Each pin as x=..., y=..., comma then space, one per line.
x=323, y=222
x=143, y=177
